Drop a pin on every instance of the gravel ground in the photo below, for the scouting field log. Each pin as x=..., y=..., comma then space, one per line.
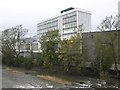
x=16, y=79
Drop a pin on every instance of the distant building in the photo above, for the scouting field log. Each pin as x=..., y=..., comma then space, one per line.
x=119, y=8
x=66, y=22
x=30, y=45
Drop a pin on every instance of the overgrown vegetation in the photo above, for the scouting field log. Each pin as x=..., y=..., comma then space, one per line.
x=106, y=46
x=70, y=55
x=49, y=46
x=27, y=63
x=11, y=41
x=104, y=56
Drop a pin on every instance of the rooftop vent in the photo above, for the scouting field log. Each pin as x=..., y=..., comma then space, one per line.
x=68, y=9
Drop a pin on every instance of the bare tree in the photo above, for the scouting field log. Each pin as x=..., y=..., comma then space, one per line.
x=108, y=24
x=12, y=39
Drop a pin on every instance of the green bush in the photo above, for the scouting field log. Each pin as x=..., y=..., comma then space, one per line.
x=47, y=63
x=104, y=76
x=8, y=59
x=17, y=62
x=39, y=61
x=78, y=69
x=27, y=63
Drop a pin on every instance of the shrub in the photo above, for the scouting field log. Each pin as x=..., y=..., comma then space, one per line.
x=17, y=62
x=7, y=59
x=104, y=75
x=27, y=63
x=39, y=61
x=47, y=63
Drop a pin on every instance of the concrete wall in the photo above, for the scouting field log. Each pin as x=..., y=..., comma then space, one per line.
x=89, y=39
x=89, y=45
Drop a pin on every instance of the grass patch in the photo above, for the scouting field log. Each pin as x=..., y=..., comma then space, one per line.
x=54, y=79
x=8, y=69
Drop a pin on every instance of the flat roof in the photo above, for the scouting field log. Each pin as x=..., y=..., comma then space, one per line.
x=66, y=11
x=99, y=31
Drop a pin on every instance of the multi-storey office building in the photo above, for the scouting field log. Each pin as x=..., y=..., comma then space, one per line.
x=68, y=20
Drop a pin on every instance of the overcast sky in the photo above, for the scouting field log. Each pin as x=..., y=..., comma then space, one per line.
x=30, y=12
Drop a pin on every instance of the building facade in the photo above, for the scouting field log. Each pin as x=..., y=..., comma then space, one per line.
x=66, y=22
x=119, y=8
x=30, y=45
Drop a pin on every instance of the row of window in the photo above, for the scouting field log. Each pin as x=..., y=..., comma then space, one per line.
x=70, y=25
x=71, y=19
x=49, y=24
x=70, y=28
x=72, y=33
x=35, y=46
x=48, y=27
x=27, y=46
x=69, y=14
x=68, y=35
x=68, y=31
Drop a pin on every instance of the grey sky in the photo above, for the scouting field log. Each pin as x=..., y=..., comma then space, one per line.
x=30, y=12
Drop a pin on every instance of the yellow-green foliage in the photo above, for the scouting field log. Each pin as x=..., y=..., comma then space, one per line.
x=49, y=45
x=104, y=76
x=70, y=54
x=104, y=50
